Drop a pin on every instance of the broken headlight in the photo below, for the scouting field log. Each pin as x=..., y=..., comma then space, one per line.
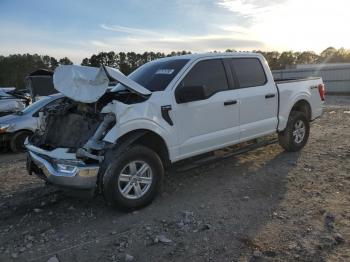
x=68, y=166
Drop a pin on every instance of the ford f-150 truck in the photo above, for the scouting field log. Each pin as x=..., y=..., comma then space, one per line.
x=117, y=139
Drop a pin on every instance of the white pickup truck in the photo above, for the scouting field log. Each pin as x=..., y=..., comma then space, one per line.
x=118, y=140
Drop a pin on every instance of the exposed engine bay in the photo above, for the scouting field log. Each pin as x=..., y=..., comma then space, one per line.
x=80, y=127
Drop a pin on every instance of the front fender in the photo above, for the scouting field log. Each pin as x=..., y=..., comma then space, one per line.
x=137, y=124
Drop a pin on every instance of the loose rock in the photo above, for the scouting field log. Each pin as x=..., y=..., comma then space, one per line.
x=163, y=239
x=129, y=258
x=339, y=238
x=329, y=221
x=257, y=254
x=205, y=227
x=187, y=217
x=53, y=259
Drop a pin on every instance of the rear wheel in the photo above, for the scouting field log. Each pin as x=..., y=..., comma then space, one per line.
x=133, y=179
x=17, y=141
x=296, y=134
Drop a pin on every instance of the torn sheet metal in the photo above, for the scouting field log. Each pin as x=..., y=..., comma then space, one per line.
x=87, y=84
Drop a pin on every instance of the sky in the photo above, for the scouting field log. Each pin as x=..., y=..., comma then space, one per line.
x=80, y=28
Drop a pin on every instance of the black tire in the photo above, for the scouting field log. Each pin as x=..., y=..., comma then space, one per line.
x=286, y=138
x=110, y=180
x=17, y=141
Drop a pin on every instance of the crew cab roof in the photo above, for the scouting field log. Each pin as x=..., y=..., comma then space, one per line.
x=211, y=55
x=88, y=84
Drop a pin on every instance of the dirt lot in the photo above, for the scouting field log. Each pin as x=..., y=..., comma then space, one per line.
x=264, y=205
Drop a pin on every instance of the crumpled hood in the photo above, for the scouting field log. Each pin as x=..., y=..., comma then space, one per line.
x=87, y=84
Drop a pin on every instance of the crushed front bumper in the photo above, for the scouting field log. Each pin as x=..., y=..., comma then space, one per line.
x=71, y=173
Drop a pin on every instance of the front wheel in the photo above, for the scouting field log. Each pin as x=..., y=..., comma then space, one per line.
x=133, y=179
x=296, y=134
x=17, y=141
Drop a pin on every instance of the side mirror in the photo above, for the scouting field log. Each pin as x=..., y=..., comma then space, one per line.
x=187, y=94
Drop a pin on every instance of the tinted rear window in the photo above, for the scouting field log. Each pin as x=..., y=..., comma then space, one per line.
x=249, y=72
x=156, y=76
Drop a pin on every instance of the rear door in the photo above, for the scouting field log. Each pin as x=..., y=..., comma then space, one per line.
x=258, y=98
x=210, y=123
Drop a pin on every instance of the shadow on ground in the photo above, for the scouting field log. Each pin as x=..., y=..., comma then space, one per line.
x=233, y=197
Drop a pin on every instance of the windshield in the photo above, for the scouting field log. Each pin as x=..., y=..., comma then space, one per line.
x=37, y=105
x=156, y=76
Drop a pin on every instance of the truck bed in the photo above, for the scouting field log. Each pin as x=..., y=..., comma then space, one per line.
x=293, y=90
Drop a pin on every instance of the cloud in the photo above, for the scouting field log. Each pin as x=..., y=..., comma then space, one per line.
x=128, y=30
x=167, y=43
x=141, y=40
x=264, y=3
x=293, y=24
x=250, y=7
x=121, y=39
x=35, y=40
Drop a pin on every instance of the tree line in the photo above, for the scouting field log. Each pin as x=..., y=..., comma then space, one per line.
x=14, y=68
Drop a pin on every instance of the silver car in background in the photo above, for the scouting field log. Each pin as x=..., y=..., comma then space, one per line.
x=15, y=128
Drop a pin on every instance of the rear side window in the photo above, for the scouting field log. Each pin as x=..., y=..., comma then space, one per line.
x=210, y=74
x=249, y=72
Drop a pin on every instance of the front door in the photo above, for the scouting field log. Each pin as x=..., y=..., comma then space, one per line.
x=212, y=122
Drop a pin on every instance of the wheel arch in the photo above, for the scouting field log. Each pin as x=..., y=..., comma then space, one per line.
x=149, y=139
x=14, y=137
x=20, y=131
x=23, y=130
x=302, y=106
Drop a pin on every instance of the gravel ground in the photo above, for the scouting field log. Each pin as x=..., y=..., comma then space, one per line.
x=264, y=205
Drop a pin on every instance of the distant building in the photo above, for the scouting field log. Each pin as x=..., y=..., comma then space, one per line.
x=321, y=65
x=335, y=76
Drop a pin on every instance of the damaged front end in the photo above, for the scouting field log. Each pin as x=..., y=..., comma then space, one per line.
x=68, y=147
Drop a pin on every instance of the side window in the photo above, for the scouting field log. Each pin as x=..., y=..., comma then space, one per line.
x=210, y=74
x=249, y=72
